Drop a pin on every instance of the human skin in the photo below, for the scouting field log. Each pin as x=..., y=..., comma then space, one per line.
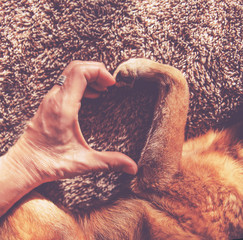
x=52, y=146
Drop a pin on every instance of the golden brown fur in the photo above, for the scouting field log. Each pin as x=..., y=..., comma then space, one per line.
x=191, y=190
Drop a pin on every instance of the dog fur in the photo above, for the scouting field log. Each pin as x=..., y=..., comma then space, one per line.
x=183, y=190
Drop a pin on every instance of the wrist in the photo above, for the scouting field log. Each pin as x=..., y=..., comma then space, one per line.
x=21, y=170
x=32, y=162
x=14, y=184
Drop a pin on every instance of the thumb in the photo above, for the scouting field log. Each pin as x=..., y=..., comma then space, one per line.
x=116, y=161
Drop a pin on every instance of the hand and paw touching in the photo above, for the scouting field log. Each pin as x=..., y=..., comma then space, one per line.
x=52, y=146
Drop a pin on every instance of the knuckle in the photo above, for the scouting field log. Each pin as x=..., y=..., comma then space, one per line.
x=71, y=66
x=86, y=69
x=79, y=70
x=76, y=69
x=101, y=64
x=75, y=62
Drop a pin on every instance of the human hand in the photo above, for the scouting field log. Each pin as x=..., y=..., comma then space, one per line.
x=53, y=142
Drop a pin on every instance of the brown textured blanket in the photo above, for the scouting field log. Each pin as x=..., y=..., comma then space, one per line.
x=39, y=38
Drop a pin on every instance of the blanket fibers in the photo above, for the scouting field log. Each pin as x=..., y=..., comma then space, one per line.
x=202, y=38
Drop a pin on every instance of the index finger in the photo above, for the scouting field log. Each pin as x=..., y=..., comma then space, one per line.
x=83, y=73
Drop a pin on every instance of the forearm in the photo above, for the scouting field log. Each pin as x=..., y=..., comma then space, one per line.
x=16, y=177
x=13, y=187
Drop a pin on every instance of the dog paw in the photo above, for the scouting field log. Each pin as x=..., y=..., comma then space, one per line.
x=148, y=70
x=129, y=71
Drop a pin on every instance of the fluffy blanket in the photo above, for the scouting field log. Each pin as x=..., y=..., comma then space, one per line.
x=39, y=38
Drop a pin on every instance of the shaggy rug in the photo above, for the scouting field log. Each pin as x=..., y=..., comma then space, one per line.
x=202, y=38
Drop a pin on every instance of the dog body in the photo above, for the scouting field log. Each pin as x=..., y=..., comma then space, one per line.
x=191, y=190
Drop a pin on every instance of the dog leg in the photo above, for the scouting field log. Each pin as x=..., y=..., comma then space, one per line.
x=162, y=151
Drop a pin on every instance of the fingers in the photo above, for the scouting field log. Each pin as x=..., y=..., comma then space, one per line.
x=91, y=93
x=81, y=79
x=115, y=161
x=80, y=74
